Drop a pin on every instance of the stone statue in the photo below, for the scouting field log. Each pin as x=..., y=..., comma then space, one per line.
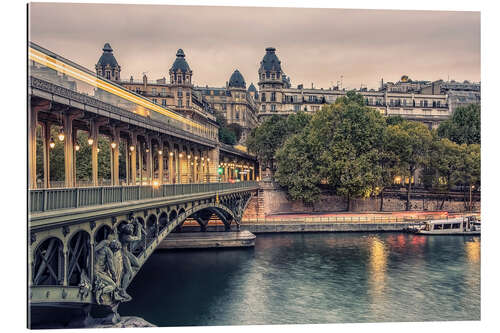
x=129, y=233
x=107, y=287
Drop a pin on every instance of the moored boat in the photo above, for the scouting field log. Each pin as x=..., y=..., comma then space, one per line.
x=467, y=225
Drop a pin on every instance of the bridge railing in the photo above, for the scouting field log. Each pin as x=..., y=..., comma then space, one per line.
x=42, y=200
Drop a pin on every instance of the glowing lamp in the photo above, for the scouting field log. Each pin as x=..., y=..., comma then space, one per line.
x=90, y=141
x=61, y=135
x=113, y=145
x=52, y=144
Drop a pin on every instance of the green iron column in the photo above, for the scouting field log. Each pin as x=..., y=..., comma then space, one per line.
x=32, y=147
x=170, y=165
x=149, y=160
x=133, y=158
x=46, y=154
x=115, y=150
x=160, y=161
x=68, y=150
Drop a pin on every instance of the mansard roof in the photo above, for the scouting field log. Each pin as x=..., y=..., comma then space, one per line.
x=270, y=62
x=107, y=57
x=237, y=80
x=180, y=63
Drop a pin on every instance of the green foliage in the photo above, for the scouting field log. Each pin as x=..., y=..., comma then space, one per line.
x=464, y=126
x=341, y=150
x=236, y=129
x=447, y=160
x=228, y=134
x=394, y=120
x=298, y=169
x=266, y=139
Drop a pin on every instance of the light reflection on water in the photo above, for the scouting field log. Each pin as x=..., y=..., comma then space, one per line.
x=313, y=278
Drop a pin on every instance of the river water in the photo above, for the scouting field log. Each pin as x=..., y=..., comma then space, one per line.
x=313, y=278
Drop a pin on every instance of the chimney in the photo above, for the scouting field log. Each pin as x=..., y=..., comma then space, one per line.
x=144, y=80
x=131, y=79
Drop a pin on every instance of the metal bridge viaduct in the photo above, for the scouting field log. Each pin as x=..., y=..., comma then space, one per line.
x=87, y=243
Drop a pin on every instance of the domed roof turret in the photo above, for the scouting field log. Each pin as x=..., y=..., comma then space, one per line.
x=237, y=80
x=270, y=62
x=252, y=88
x=107, y=57
x=180, y=63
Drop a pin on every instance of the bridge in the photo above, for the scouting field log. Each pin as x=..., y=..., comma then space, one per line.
x=89, y=238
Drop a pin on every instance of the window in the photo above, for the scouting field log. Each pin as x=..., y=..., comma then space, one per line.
x=108, y=75
x=268, y=75
x=273, y=107
x=187, y=102
x=263, y=97
x=447, y=226
x=179, y=103
x=164, y=102
x=438, y=104
x=237, y=115
x=425, y=103
x=456, y=226
x=438, y=226
x=179, y=93
x=155, y=101
x=296, y=107
x=264, y=108
x=154, y=91
x=273, y=97
x=273, y=76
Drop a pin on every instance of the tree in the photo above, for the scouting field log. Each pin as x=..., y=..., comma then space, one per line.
x=227, y=134
x=298, y=170
x=464, y=126
x=411, y=142
x=267, y=138
x=236, y=129
x=339, y=150
x=447, y=162
x=351, y=164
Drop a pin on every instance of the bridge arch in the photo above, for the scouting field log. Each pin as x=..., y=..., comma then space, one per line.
x=78, y=257
x=151, y=229
x=102, y=233
x=162, y=221
x=48, y=262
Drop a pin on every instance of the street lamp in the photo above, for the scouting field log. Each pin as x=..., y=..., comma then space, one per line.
x=52, y=144
x=61, y=135
x=90, y=141
x=77, y=147
x=113, y=145
x=132, y=148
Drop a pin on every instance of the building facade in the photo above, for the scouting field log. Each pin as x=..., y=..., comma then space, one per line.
x=425, y=101
x=237, y=104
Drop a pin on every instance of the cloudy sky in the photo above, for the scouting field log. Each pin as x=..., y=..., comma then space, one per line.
x=314, y=45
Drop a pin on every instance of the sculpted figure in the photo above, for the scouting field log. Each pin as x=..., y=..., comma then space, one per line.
x=129, y=233
x=105, y=270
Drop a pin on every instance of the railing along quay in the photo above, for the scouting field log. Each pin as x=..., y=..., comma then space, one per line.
x=41, y=200
x=346, y=219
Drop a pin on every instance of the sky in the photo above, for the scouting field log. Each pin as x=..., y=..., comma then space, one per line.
x=317, y=47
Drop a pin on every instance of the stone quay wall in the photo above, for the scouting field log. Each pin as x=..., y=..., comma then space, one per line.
x=271, y=199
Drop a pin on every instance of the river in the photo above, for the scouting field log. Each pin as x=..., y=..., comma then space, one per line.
x=312, y=278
